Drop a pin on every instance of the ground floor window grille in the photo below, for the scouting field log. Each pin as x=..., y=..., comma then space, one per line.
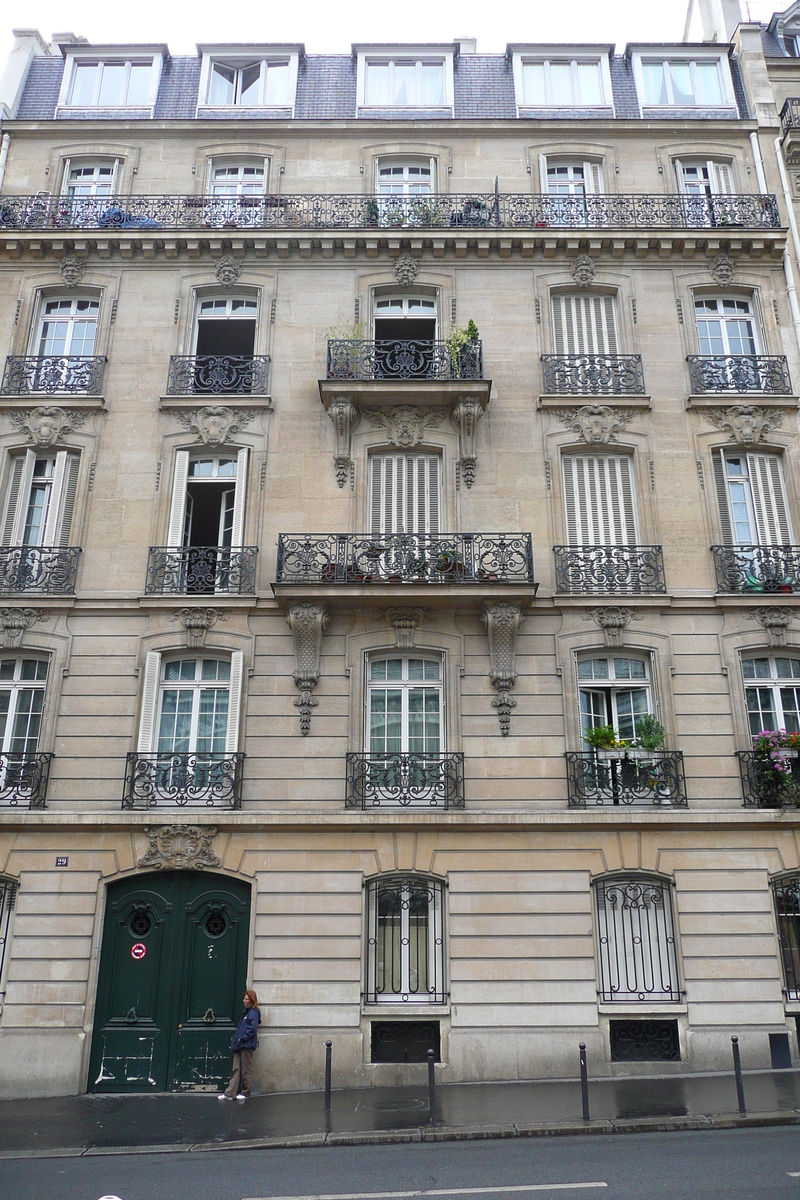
x=404, y=1041
x=787, y=910
x=645, y=1041
x=636, y=937
x=8, y=891
x=405, y=941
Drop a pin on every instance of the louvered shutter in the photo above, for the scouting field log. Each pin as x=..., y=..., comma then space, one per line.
x=147, y=721
x=543, y=184
x=177, y=511
x=679, y=175
x=769, y=499
x=52, y=521
x=240, y=495
x=721, y=178
x=65, y=177
x=726, y=525
x=67, y=507
x=405, y=493
x=234, y=702
x=593, y=178
x=584, y=324
x=598, y=500
x=19, y=486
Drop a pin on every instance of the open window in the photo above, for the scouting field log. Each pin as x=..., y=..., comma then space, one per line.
x=405, y=331
x=225, y=337
x=614, y=690
x=206, y=519
x=567, y=183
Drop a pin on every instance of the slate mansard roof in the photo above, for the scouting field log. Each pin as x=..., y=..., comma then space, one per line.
x=483, y=86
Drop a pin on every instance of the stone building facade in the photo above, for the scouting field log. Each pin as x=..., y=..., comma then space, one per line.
x=373, y=429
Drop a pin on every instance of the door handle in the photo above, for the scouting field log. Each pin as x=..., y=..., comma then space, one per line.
x=209, y=1017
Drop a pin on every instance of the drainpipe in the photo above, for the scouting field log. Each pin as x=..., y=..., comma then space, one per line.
x=787, y=197
x=6, y=142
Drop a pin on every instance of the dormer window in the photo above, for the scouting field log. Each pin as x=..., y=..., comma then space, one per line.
x=256, y=85
x=115, y=83
x=683, y=79
x=411, y=77
x=561, y=84
x=791, y=43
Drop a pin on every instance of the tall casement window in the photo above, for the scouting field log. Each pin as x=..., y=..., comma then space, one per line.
x=238, y=191
x=206, y=517
x=772, y=692
x=8, y=894
x=22, y=688
x=405, y=493
x=636, y=941
x=67, y=327
x=405, y=177
x=704, y=177
x=599, y=500
x=405, y=705
x=40, y=499
x=225, y=338
x=726, y=326
x=405, y=941
x=751, y=492
x=190, y=705
x=86, y=180
x=405, y=330
x=786, y=892
x=614, y=690
x=567, y=183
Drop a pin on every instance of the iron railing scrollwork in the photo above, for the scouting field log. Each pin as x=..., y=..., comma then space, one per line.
x=786, y=891
x=623, y=569
x=23, y=779
x=217, y=374
x=737, y=373
x=185, y=780
x=645, y=1041
x=434, y=558
x=201, y=570
x=414, y=358
x=638, y=961
x=657, y=778
x=405, y=780
x=592, y=374
x=47, y=570
x=756, y=569
x=764, y=786
x=53, y=374
x=790, y=115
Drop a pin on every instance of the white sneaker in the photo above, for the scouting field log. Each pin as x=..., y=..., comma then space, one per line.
x=222, y=1096
x=241, y=1096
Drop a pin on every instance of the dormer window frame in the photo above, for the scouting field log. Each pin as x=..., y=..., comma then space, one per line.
x=704, y=53
x=105, y=56
x=390, y=55
x=575, y=56
x=237, y=58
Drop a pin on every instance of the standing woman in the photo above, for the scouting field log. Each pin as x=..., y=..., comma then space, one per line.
x=245, y=1041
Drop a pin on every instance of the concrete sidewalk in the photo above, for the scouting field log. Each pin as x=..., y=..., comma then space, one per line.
x=92, y=1124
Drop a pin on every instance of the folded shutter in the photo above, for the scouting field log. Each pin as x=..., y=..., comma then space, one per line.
x=725, y=522
x=234, y=702
x=240, y=496
x=177, y=512
x=19, y=487
x=584, y=324
x=769, y=499
x=405, y=493
x=147, y=721
x=599, y=500
x=721, y=178
x=593, y=178
x=67, y=507
x=52, y=519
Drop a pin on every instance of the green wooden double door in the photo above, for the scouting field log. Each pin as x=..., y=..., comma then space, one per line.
x=173, y=970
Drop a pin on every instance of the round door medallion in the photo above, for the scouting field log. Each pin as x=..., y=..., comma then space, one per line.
x=138, y=950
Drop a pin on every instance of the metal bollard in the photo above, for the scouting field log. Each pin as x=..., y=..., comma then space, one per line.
x=327, y=1077
x=431, y=1088
x=737, y=1070
x=584, y=1083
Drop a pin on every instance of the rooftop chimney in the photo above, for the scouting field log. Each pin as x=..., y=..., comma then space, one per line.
x=466, y=45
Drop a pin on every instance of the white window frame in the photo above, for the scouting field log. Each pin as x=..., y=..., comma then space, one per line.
x=774, y=683
x=153, y=684
x=613, y=684
x=83, y=163
x=404, y=161
x=239, y=57
x=763, y=482
x=383, y=55
x=111, y=54
x=61, y=486
x=405, y=309
x=177, y=515
x=521, y=55
x=406, y=885
x=13, y=687
x=404, y=685
x=41, y=316
x=714, y=167
x=753, y=316
x=681, y=54
x=640, y=951
x=238, y=164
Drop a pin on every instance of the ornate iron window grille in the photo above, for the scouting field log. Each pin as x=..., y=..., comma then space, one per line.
x=592, y=374
x=201, y=570
x=765, y=787
x=8, y=894
x=23, y=779
x=644, y=1041
x=657, y=779
x=405, y=780
x=190, y=780
x=46, y=570
x=623, y=569
x=390, y=358
x=790, y=115
x=636, y=937
x=405, y=941
x=487, y=210
x=755, y=569
x=52, y=374
x=434, y=558
x=737, y=373
x=218, y=374
x=786, y=892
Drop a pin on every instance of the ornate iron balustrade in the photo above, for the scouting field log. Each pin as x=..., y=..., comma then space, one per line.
x=50, y=374
x=487, y=210
x=790, y=115
x=48, y=570
x=217, y=374
x=624, y=569
x=765, y=787
x=593, y=374
x=754, y=569
x=201, y=570
x=395, y=780
x=395, y=359
x=198, y=780
x=23, y=779
x=463, y=558
x=767, y=373
x=657, y=778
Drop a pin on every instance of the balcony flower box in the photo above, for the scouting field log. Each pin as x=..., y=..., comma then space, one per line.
x=785, y=753
x=612, y=755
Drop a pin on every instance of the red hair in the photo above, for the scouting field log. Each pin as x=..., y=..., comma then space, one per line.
x=253, y=999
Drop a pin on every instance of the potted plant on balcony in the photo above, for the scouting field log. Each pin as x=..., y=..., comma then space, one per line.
x=343, y=363
x=372, y=212
x=462, y=350
x=603, y=741
x=449, y=562
x=773, y=750
x=649, y=738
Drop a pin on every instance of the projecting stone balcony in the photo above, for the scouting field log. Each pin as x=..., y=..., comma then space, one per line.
x=752, y=570
x=405, y=780
x=38, y=570
x=614, y=570
x=53, y=375
x=23, y=779
x=218, y=375
x=592, y=374
x=201, y=570
x=402, y=360
x=739, y=374
x=169, y=779
x=618, y=777
x=790, y=129
x=766, y=786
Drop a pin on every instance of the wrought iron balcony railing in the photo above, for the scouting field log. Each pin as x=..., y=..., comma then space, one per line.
x=394, y=359
x=654, y=777
x=201, y=570
x=754, y=569
x=23, y=779
x=381, y=558
x=216, y=374
x=592, y=374
x=790, y=115
x=767, y=373
x=51, y=374
x=763, y=786
x=486, y=210
x=412, y=780
x=47, y=570
x=623, y=569
x=186, y=780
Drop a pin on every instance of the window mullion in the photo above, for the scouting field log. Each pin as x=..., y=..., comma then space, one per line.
x=195, y=718
x=405, y=941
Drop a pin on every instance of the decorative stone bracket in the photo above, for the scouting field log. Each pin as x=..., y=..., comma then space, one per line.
x=307, y=622
x=465, y=417
x=345, y=417
x=613, y=621
x=405, y=622
x=501, y=622
x=16, y=622
x=775, y=620
x=180, y=847
x=197, y=622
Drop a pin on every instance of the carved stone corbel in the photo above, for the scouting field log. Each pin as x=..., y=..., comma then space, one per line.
x=405, y=622
x=180, y=847
x=16, y=622
x=465, y=417
x=345, y=417
x=307, y=622
x=775, y=620
x=501, y=622
x=613, y=621
x=197, y=622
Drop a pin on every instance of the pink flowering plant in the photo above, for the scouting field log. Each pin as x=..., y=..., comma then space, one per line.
x=768, y=745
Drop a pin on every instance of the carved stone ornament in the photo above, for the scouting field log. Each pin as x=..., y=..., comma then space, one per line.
x=227, y=270
x=307, y=622
x=71, y=270
x=613, y=621
x=405, y=426
x=214, y=423
x=48, y=424
x=405, y=622
x=465, y=417
x=197, y=622
x=746, y=423
x=405, y=270
x=180, y=847
x=723, y=269
x=596, y=424
x=775, y=619
x=501, y=622
x=583, y=270
x=16, y=622
x=345, y=417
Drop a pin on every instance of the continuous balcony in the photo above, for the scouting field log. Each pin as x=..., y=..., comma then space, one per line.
x=201, y=570
x=23, y=779
x=623, y=570
x=767, y=374
x=168, y=779
x=52, y=374
x=751, y=570
x=39, y=570
x=634, y=778
x=408, y=780
x=593, y=374
x=405, y=360
x=218, y=374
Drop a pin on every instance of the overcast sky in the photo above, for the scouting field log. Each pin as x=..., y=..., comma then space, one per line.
x=326, y=26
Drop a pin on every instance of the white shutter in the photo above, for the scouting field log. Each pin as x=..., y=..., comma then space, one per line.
x=65, y=177
x=723, y=499
x=679, y=175
x=405, y=493
x=240, y=495
x=114, y=177
x=769, y=499
x=52, y=521
x=598, y=500
x=147, y=721
x=721, y=178
x=584, y=324
x=543, y=185
x=177, y=512
x=234, y=702
x=593, y=178
x=18, y=505
x=67, y=506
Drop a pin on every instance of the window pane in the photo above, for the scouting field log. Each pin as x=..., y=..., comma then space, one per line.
x=32, y=668
x=176, y=721
x=25, y=734
x=760, y=709
x=222, y=81
x=590, y=83
x=682, y=89
x=655, y=86
x=278, y=84
x=432, y=83
x=212, y=721
x=250, y=81
x=377, y=85
x=561, y=83
x=112, y=84
x=709, y=87
x=405, y=83
x=139, y=84
x=85, y=83
x=790, y=703
x=418, y=941
x=533, y=89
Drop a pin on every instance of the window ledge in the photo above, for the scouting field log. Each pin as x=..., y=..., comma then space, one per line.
x=260, y=401
x=412, y=1008
x=579, y=399
x=642, y=1008
x=726, y=399
x=58, y=399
